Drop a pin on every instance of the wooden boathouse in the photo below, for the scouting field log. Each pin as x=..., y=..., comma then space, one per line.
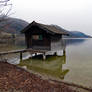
x=42, y=37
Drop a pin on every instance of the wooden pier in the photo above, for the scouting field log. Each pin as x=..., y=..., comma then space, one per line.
x=25, y=50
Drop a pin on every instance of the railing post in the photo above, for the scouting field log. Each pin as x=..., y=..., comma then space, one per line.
x=64, y=52
x=44, y=56
x=20, y=56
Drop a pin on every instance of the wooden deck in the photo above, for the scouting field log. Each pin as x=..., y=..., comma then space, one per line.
x=32, y=51
x=23, y=50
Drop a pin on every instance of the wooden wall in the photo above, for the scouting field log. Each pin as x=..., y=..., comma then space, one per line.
x=31, y=43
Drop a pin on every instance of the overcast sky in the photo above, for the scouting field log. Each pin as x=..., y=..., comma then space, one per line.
x=70, y=14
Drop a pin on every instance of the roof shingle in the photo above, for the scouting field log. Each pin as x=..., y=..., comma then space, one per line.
x=50, y=28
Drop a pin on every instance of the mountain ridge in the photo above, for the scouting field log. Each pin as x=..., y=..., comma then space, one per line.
x=73, y=34
x=15, y=25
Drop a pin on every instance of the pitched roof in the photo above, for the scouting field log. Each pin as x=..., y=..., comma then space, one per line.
x=50, y=28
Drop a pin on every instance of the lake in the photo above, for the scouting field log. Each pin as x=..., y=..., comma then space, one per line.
x=79, y=62
x=74, y=66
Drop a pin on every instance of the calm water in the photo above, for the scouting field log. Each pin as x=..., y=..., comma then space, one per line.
x=79, y=62
x=74, y=66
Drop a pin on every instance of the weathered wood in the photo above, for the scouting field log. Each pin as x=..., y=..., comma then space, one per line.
x=42, y=43
x=64, y=51
x=23, y=50
x=40, y=36
x=20, y=56
x=13, y=51
x=44, y=56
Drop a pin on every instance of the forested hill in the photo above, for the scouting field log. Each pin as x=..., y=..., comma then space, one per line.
x=73, y=34
x=77, y=34
x=13, y=25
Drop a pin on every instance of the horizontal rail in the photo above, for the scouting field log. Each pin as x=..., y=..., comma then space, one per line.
x=23, y=50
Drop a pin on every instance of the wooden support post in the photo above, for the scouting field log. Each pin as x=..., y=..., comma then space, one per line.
x=35, y=54
x=20, y=56
x=30, y=55
x=44, y=56
x=63, y=51
x=55, y=54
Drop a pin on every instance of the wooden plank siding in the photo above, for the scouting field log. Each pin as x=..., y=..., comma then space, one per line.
x=48, y=33
x=37, y=44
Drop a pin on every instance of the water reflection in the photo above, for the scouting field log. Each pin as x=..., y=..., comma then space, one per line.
x=58, y=49
x=55, y=60
x=74, y=41
x=74, y=64
x=52, y=66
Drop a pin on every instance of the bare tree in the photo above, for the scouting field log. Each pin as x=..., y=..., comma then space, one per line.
x=5, y=8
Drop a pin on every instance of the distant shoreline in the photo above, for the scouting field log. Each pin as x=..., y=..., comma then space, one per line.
x=77, y=37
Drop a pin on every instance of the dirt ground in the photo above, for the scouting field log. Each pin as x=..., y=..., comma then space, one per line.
x=15, y=79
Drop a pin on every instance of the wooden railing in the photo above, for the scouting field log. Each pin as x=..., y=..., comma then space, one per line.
x=32, y=51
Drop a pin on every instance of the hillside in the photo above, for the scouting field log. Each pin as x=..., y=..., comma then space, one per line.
x=73, y=34
x=13, y=25
x=9, y=28
x=77, y=34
